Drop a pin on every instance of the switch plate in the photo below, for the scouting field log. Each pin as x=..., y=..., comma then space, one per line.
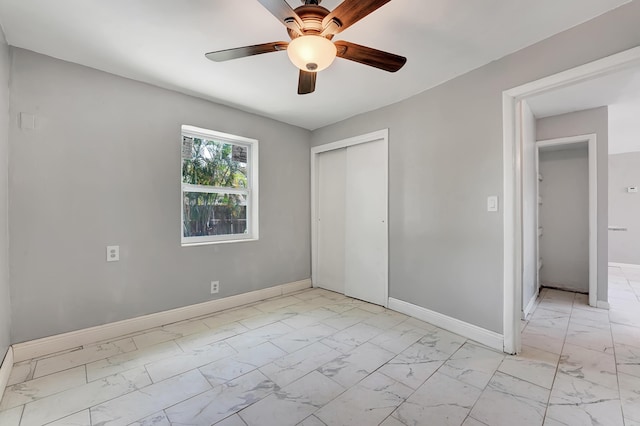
x=631, y=189
x=113, y=253
x=492, y=203
x=27, y=121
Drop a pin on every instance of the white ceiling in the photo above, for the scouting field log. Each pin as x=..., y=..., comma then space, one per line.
x=163, y=42
x=614, y=88
x=619, y=90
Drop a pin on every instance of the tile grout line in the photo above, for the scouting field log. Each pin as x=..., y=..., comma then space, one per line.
x=615, y=358
x=31, y=375
x=89, y=408
x=21, y=414
x=211, y=387
x=485, y=387
x=564, y=341
x=54, y=393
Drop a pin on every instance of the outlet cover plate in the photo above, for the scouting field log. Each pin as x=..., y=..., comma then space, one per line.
x=113, y=253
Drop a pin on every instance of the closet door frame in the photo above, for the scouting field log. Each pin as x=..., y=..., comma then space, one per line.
x=315, y=152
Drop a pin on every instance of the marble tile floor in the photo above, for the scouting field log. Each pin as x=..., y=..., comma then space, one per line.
x=319, y=358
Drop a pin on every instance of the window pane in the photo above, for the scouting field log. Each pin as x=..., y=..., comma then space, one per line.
x=214, y=214
x=215, y=163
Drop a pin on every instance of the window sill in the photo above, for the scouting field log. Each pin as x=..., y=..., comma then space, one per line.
x=207, y=243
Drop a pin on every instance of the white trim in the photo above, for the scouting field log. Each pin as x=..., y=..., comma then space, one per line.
x=539, y=230
x=187, y=187
x=591, y=139
x=48, y=345
x=207, y=243
x=254, y=175
x=216, y=239
x=253, y=192
x=529, y=308
x=315, y=151
x=369, y=137
x=512, y=242
x=464, y=329
x=624, y=265
x=599, y=68
x=203, y=133
x=511, y=173
x=5, y=370
x=602, y=304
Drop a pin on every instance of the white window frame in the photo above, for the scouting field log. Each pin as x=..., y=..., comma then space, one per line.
x=251, y=190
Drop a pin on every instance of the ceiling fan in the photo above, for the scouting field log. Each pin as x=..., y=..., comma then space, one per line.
x=311, y=28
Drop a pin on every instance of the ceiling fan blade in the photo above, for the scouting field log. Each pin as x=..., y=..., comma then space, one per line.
x=306, y=82
x=351, y=11
x=284, y=13
x=368, y=56
x=241, y=52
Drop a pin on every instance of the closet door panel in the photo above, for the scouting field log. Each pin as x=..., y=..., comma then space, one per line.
x=331, y=220
x=366, y=229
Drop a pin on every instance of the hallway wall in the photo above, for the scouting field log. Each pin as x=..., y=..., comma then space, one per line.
x=624, y=208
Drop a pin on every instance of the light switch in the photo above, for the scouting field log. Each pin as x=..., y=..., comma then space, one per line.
x=632, y=189
x=492, y=203
x=27, y=121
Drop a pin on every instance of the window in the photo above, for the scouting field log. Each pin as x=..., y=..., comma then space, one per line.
x=219, y=187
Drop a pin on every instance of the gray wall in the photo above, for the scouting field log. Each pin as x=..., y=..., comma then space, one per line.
x=103, y=168
x=564, y=216
x=580, y=123
x=445, y=158
x=5, y=308
x=624, y=207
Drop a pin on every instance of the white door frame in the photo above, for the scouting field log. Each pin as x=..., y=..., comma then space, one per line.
x=591, y=140
x=315, y=152
x=512, y=173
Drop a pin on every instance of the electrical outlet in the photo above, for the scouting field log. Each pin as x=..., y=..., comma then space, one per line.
x=215, y=286
x=113, y=253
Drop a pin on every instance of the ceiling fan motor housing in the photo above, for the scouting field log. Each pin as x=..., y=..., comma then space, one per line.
x=312, y=16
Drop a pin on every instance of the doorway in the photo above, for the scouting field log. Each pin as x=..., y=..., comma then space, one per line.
x=349, y=193
x=624, y=205
x=602, y=74
x=568, y=215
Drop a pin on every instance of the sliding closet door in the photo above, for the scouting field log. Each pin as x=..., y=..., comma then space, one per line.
x=331, y=220
x=366, y=236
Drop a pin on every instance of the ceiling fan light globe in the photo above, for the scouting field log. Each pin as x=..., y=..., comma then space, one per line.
x=311, y=52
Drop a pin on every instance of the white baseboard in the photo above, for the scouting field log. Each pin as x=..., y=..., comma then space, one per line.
x=464, y=329
x=602, y=304
x=61, y=342
x=624, y=265
x=5, y=370
x=527, y=310
x=296, y=286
